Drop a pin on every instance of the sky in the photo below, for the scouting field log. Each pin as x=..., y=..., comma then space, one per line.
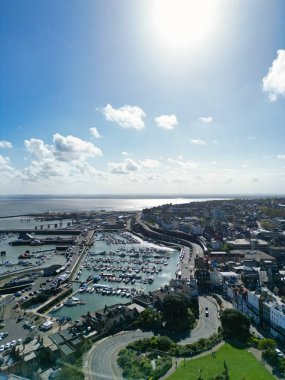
x=142, y=97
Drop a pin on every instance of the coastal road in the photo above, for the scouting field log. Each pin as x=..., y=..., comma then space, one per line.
x=101, y=361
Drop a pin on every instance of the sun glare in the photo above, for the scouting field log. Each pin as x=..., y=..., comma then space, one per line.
x=184, y=24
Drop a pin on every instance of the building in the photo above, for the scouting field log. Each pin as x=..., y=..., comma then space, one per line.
x=218, y=278
x=188, y=286
x=253, y=301
x=249, y=244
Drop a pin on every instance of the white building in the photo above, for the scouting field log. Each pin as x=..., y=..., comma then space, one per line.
x=253, y=306
x=218, y=278
x=277, y=318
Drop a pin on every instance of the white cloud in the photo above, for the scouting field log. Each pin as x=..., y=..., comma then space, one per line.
x=94, y=132
x=4, y=161
x=67, y=148
x=73, y=148
x=126, y=153
x=129, y=165
x=125, y=167
x=166, y=121
x=66, y=157
x=184, y=164
x=6, y=169
x=150, y=163
x=281, y=156
x=274, y=81
x=126, y=116
x=5, y=144
x=207, y=120
x=198, y=142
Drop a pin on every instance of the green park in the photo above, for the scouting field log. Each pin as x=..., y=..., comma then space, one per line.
x=240, y=364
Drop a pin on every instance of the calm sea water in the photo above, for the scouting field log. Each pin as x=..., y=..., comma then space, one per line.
x=21, y=205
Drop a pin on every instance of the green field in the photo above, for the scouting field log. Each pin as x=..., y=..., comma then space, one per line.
x=241, y=364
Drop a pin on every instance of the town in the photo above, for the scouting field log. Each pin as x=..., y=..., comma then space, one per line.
x=219, y=255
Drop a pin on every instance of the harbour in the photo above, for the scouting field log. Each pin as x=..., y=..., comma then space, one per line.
x=117, y=268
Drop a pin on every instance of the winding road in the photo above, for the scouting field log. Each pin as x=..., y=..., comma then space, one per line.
x=101, y=364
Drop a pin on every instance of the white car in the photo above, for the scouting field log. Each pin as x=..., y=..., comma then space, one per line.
x=20, y=341
x=2, y=348
x=13, y=343
x=8, y=345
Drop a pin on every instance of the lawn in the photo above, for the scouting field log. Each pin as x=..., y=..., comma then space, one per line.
x=241, y=364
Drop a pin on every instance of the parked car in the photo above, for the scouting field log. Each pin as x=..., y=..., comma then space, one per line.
x=279, y=353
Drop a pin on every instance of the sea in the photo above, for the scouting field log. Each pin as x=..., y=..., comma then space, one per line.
x=33, y=204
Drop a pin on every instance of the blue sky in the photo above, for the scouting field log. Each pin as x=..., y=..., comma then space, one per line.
x=124, y=96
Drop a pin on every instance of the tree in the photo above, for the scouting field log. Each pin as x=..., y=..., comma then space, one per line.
x=265, y=344
x=175, y=312
x=162, y=343
x=150, y=319
x=235, y=324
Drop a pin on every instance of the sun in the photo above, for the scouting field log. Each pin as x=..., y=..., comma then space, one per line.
x=184, y=24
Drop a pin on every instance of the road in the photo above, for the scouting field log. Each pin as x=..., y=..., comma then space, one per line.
x=187, y=262
x=101, y=362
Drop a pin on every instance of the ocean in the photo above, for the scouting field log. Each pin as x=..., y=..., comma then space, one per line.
x=32, y=204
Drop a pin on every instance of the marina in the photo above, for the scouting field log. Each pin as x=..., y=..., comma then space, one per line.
x=118, y=267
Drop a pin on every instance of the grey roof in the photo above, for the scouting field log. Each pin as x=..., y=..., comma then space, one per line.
x=66, y=349
x=57, y=338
